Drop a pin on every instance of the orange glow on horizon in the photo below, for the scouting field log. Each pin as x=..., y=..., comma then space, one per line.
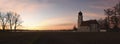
x=67, y=27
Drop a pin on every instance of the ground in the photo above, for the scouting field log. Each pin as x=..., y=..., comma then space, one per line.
x=59, y=38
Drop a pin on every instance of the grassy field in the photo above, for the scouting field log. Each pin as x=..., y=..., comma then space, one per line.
x=59, y=38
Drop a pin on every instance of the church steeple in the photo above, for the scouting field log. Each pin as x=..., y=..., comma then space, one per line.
x=80, y=19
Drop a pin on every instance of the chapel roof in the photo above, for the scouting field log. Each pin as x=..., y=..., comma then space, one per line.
x=87, y=23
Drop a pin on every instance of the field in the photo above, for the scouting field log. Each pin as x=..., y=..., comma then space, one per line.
x=59, y=38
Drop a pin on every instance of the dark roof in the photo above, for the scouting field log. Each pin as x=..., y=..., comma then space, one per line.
x=87, y=23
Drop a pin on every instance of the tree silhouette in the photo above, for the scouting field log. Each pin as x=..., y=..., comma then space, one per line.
x=113, y=15
x=3, y=21
x=10, y=17
x=13, y=20
x=17, y=21
x=74, y=28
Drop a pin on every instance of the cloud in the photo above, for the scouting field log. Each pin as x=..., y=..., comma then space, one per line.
x=100, y=7
x=103, y=4
x=56, y=27
x=56, y=21
x=90, y=15
x=64, y=24
x=21, y=5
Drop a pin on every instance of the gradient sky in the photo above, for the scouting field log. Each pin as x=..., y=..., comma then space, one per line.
x=55, y=14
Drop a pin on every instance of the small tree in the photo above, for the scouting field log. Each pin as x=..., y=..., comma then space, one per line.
x=74, y=28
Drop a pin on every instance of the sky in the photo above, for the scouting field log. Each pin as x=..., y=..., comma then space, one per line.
x=55, y=14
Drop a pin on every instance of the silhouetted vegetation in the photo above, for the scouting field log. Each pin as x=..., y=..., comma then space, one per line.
x=74, y=28
x=10, y=20
x=112, y=21
x=3, y=21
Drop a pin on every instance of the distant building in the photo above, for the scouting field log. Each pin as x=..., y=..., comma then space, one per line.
x=87, y=26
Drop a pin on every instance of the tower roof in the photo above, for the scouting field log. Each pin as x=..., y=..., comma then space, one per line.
x=80, y=13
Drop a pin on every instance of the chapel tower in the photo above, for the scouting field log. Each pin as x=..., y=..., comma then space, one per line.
x=80, y=19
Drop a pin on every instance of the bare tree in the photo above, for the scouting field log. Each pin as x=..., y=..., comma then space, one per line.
x=13, y=20
x=17, y=21
x=3, y=21
x=10, y=17
x=113, y=14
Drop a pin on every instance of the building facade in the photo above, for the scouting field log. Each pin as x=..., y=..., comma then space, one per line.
x=87, y=26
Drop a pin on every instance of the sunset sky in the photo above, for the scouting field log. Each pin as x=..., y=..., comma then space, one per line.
x=55, y=14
